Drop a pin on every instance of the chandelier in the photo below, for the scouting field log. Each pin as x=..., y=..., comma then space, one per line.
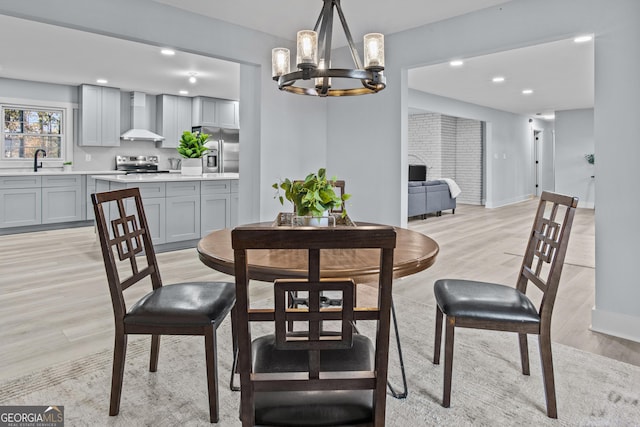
x=313, y=60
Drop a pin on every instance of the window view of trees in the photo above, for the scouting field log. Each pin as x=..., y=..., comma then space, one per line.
x=25, y=130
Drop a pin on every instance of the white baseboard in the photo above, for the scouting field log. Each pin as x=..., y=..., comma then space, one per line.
x=616, y=324
x=498, y=204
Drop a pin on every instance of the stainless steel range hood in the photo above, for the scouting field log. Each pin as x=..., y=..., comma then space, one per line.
x=139, y=121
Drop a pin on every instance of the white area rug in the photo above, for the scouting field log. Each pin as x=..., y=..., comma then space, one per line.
x=488, y=388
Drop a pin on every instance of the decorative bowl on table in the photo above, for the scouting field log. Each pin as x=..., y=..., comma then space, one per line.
x=333, y=219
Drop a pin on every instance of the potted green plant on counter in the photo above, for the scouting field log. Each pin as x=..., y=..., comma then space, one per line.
x=66, y=166
x=192, y=149
x=312, y=197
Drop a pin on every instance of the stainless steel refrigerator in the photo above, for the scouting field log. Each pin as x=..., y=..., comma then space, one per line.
x=224, y=149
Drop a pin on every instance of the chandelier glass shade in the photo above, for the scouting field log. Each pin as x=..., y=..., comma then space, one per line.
x=313, y=60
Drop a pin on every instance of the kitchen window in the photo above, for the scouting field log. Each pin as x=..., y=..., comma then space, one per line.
x=26, y=129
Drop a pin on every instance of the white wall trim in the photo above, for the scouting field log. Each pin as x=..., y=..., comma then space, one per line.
x=616, y=324
x=69, y=127
x=501, y=203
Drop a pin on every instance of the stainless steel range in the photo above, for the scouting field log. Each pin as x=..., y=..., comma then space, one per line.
x=138, y=164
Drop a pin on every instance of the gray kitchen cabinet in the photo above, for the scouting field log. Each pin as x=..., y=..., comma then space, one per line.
x=215, y=112
x=233, y=217
x=228, y=114
x=99, y=116
x=20, y=201
x=34, y=200
x=216, y=210
x=155, y=211
x=215, y=204
x=173, y=116
x=183, y=211
x=94, y=186
x=20, y=181
x=183, y=218
x=20, y=207
x=90, y=189
x=61, y=198
x=61, y=204
x=153, y=200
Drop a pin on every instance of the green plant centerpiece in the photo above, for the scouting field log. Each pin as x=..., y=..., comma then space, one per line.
x=312, y=197
x=192, y=144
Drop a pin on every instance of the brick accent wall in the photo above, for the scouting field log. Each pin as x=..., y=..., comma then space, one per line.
x=424, y=142
x=448, y=132
x=452, y=148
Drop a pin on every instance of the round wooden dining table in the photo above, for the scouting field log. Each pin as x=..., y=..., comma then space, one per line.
x=414, y=252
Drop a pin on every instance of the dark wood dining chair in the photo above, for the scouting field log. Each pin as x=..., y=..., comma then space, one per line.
x=192, y=308
x=292, y=298
x=482, y=305
x=318, y=376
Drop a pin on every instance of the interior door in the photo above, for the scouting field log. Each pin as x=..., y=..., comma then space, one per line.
x=537, y=167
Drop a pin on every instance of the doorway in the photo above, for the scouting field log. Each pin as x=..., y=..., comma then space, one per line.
x=537, y=159
x=543, y=155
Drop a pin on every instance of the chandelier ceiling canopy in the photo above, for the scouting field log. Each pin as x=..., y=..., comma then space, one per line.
x=313, y=60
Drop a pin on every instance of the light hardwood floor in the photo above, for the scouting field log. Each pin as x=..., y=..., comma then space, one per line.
x=54, y=301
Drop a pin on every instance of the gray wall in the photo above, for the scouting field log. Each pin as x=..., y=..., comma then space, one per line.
x=288, y=137
x=519, y=23
x=508, y=156
x=574, y=139
x=296, y=133
x=20, y=89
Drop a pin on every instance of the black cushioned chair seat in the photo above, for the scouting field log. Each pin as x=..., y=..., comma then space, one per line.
x=484, y=301
x=202, y=303
x=343, y=407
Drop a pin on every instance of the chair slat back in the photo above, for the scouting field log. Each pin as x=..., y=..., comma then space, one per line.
x=315, y=240
x=547, y=247
x=122, y=227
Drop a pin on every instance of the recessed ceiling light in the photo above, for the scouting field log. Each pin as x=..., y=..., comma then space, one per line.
x=102, y=81
x=527, y=91
x=184, y=92
x=456, y=63
x=168, y=52
x=549, y=116
x=582, y=39
x=192, y=77
x=498, y=79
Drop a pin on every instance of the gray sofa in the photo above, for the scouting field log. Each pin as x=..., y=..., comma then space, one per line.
x=427, y=197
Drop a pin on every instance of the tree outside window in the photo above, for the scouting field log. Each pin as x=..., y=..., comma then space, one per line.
x=27, y=129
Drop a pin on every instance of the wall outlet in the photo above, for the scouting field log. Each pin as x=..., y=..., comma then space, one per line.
x=87, y=157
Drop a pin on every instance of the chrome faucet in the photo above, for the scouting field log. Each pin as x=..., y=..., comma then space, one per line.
x=35, y=159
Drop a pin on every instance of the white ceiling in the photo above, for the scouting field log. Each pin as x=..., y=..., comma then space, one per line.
x=283, y=18
x=561, y=73
x=48, y=53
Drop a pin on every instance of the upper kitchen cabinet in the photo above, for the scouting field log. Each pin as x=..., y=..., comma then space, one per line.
x=99, y=116
x=173, y=116
x=215, y=112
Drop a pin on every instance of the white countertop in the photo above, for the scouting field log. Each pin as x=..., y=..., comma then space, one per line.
x=57, y=172
x=166, y=177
